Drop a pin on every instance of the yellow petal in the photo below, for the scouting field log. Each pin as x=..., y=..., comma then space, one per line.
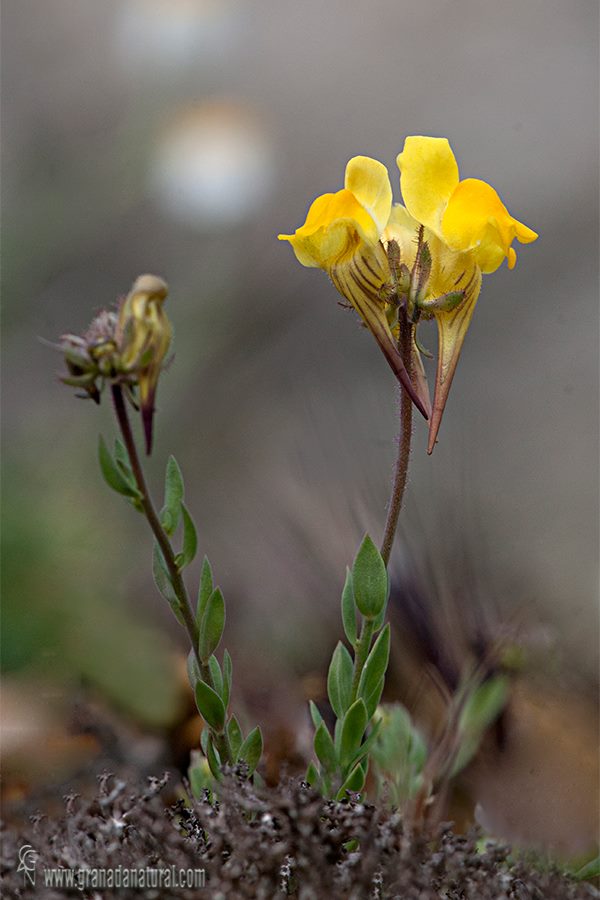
x=369, y=181
x=335, y=225
x=476, y=219
x=428, y=177
x=452, y=329
x=403, y=229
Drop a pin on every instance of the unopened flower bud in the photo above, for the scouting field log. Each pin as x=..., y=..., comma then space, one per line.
x=143, y=337
x=91, y=357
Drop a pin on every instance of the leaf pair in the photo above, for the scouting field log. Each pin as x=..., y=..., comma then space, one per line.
x=175, y=511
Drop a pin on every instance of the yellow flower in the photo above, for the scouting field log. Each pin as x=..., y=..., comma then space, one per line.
x=468, y=230
x=450, y=232
x=342, y=235
x=144, y=335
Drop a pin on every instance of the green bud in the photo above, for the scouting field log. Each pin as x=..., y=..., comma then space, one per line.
x=369, y=580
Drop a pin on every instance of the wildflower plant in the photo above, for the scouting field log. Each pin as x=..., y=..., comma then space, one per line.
x=398, y=265
x=125, y=351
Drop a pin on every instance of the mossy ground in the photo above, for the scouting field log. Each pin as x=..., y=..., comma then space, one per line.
x=268, y=843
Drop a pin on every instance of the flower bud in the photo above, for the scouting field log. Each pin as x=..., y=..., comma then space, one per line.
x=143, y=337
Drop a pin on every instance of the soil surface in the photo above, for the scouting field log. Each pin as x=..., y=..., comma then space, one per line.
x=267, y=843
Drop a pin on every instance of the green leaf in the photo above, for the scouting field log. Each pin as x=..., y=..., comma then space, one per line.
x=193, y=669
x=199, y=774
x=590, y=870
x=324, y=749
x=171, y=512
x=205, y=589
x=380, y=619
x=366, y=745
x=372, y=700
x=212, y=625
x=112, y=473
x=234, y=733
x=315, y=715
x=122, y=461
x=339, y=680
x=354, y=782
x=312, y=775
x=214, y=760
x=163, y=582
x=251, y=749
x=190, y=540
x=353, y=728
x=374, y=670
x=216, y=675
x=417, y=752
x=204, y=736
x=210, y=706
x=369, y=580
x=349, y=610
x=337, y=735
x=481, y=709
x=227, y=677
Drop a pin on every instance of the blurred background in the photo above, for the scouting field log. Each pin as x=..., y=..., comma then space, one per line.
x=179, y=137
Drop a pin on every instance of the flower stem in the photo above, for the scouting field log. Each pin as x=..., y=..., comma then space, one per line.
x=220, y=738
x=404, y=441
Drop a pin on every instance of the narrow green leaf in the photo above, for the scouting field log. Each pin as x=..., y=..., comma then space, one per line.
x=214, y=761
x=355, y=781
x=375, y=668
x=113, y=474
x=199, y=774
x=193, y=669
x=210, y=706
x=212, y=625
x=369, y=580
x=349, y=610
x=227, y=677
x=162, y=580
x=312, y=775
x=204, y=735
x=337, y=735
x=324, y=750
x=216, y=675
x=234, y=733
x=315, y=715
x=339, y=680
x=171, y=512
x=353, y=728
x=372, y=700
x=481, y=709
x=190, y=540
x=380, y=619
x=122, y=461
x=590, y=870
x=251, y=750
x=205, y=589
x=366, y=745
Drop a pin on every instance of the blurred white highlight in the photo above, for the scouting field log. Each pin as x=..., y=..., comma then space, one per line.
x=213, y=166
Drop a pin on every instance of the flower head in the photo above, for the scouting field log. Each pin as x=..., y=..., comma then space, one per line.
x=342, y=235
x=127, y=347
x=469, y=232
x=397, y=264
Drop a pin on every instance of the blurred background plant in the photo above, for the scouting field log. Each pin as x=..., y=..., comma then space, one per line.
x=180, y=137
